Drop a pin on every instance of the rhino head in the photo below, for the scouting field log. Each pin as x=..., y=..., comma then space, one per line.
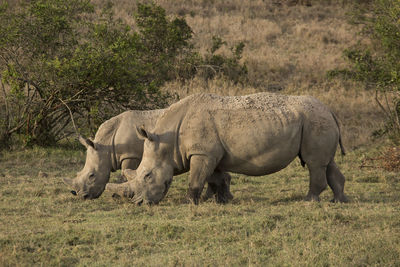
x=91, y=181
x=155, y=172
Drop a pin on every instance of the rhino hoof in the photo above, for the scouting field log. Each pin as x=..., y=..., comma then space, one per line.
x=312, y=198
x=209, y=193
x=194, y=195
x=342, y=199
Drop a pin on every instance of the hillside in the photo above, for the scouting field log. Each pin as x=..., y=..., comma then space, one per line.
x=289, y=48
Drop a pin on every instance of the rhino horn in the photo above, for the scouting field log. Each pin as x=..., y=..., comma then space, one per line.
x=122, y=190
x=86, y=142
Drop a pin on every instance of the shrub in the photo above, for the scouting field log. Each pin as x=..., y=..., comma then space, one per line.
x=54, y=51
x=214, y=64
x=378, y=64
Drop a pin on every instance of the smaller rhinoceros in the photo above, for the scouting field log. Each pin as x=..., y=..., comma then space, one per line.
x=117, y=146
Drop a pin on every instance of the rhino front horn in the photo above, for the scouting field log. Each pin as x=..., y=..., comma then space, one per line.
x=122, y=190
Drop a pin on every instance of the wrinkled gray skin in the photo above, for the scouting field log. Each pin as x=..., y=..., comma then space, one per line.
x=253, y=135
x=117, y=146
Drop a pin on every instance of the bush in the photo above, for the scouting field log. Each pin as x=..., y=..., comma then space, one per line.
x=227, y=66
x=378, y=65
x=54, y=51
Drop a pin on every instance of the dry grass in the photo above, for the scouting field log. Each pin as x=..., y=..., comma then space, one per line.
x=267, y=223
x=288, y=49
x=292, y=46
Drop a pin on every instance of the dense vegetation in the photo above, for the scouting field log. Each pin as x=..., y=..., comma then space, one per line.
x=377, y=64
x=55, y=51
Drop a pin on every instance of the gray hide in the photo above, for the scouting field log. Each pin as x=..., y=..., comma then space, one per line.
x=117, y=146
x=254, y=135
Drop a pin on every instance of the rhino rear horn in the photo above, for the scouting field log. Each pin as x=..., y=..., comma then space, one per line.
x=86, y=142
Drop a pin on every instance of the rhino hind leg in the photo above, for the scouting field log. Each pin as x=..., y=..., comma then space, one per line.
x=219, y=187
x=318, y=182
x=336, y=182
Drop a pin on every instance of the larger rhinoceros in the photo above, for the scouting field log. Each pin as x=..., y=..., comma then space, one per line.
x=253, y=135
x=117, y=146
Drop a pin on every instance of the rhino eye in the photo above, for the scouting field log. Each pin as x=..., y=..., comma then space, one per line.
x=147, y=176
x=91, y=176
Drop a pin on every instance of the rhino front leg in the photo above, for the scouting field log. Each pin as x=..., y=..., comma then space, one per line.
x=201, y=167
x=127, y=167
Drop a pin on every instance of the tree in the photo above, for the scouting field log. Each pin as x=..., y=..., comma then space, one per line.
x=53, y=50
x=378, y=64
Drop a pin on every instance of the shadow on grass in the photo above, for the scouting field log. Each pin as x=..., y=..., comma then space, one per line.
x=381, y=198
x=240, y=200
x=293, y=198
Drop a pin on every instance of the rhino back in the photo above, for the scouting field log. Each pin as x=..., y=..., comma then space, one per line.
x=254, y=134
x=127, y=143
x=123, y=128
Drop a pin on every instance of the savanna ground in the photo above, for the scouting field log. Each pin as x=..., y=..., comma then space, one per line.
x=289, y=48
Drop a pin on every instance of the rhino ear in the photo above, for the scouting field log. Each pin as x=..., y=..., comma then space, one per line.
x=86, y=142
x=142, y=133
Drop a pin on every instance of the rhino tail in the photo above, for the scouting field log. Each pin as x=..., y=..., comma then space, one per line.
x=343, y=150
x=302, y=162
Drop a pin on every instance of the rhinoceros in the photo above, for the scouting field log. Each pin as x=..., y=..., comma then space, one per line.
x=117, y=146
x=253, y=135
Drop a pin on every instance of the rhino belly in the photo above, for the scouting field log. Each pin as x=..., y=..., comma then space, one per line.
x=262, y=149
x=272, y=160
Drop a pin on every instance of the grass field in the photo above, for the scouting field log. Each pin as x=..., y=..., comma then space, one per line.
x=267, y=223
x=289, y=48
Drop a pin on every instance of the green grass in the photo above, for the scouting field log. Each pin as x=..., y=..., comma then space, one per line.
x=267, y=223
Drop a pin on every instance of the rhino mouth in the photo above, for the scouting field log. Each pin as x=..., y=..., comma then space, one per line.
x=138, y=199
x=167, y=184
x=83, y=196
x=86, y=195
x=77, y=194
